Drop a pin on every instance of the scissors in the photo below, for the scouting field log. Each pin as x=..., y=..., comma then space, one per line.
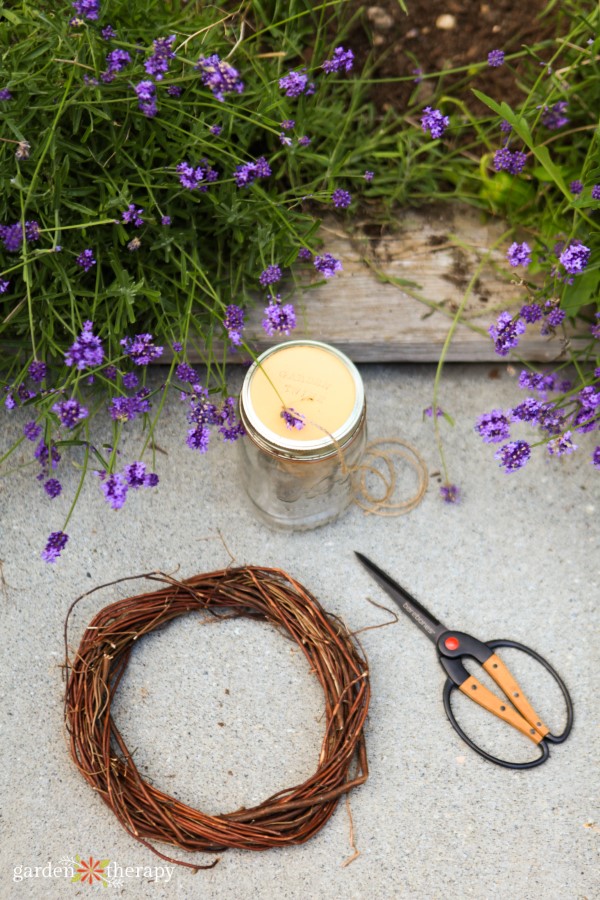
x=451, y=647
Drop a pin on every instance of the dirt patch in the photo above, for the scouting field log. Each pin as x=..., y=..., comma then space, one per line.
x=438, y=35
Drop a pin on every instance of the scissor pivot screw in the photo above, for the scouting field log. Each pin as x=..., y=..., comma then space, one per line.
x=516, y=694
x=473, y=687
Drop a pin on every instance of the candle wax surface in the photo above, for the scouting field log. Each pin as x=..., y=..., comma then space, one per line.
x=311, y=381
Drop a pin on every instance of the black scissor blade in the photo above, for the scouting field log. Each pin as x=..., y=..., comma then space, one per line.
x=407, y=603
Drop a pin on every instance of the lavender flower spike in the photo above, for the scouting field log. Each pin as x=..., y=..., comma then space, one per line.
x=519, y=254
x=513, y=456
x=434, y=122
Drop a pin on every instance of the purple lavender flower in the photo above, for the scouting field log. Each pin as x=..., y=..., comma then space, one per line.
x=116, y=60
x=216, y=130
x=505, y=333
x=531, y=313
x=575, y=257
x=279, y=318
x=32, y=430
x=505, y=160
x=108, y=32
x=495, y=58
x=493, y=427
x=9, y=402
x=249, y=172
x=434, y=122
x=596, y=192
x=136, y=476
x=32, y=231
x=87, y=9
x=114, y=489
x=304, y=141
x=368, y=176
x=145, y=92
x=189, y=176
x=596, y=458
x=5, y=94
x=186, y=373
x=165, y=220
x=158, y=63
x=70, y=412
x=225, y=418
x=111, y=373
x=586, y=419
x=57, y=541
x=293, y=84
x=126, y=409
x=305, y=254
x=263, y=169
x=450, y=493
x=12, y=237
x=513, y=456
x=219, y=76
x=86, y=260
x=536, y=381
x=174, y=90
x=285, y=140
x=141, y=349
x=37, y=371
x=24, y=394
x=428, y=411
x=198, y=438
x=270, y=275
x=177, y=346
x=505, y=127
x=554, y=117
x=341, y=199
x=418, y=73
x=292, y=418
x=576, y=187
x=554, y=316
x=53, y=487
x=234, y=323
x=287, y=124
x=530, y=410
x=47, y=455
x=519, y=254
x=133, y=215
x=562, y=445
x=86, y=351
x=342, y=59
x=130, y=381
x=327, y=265
x=4, y=285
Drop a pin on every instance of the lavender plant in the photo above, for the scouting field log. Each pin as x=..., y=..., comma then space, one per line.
x=155, y=164
x=538, y=166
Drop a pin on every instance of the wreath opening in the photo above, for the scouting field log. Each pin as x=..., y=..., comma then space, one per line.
x=290, y=816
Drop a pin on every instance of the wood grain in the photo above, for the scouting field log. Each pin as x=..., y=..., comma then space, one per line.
x=397, y=295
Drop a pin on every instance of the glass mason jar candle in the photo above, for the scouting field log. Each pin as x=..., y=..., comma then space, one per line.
x=299, y=478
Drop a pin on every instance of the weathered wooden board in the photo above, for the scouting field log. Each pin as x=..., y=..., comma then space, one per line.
x=397, y=295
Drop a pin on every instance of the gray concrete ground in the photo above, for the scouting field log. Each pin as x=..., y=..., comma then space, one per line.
x=517, y=558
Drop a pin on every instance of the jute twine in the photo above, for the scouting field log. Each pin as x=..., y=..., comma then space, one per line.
x=384, y=453
x=292, y=815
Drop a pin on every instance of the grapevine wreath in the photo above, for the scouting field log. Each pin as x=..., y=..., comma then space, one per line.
x=292, y=815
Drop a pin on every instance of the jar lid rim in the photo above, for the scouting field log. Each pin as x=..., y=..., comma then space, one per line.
x=303, y=447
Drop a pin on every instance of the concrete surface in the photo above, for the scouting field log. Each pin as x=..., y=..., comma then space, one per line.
x=517, y=558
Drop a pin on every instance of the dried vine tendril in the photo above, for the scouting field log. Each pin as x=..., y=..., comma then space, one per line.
x=292, y=815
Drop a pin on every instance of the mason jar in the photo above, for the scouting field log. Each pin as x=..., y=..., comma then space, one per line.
x=298, y=478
